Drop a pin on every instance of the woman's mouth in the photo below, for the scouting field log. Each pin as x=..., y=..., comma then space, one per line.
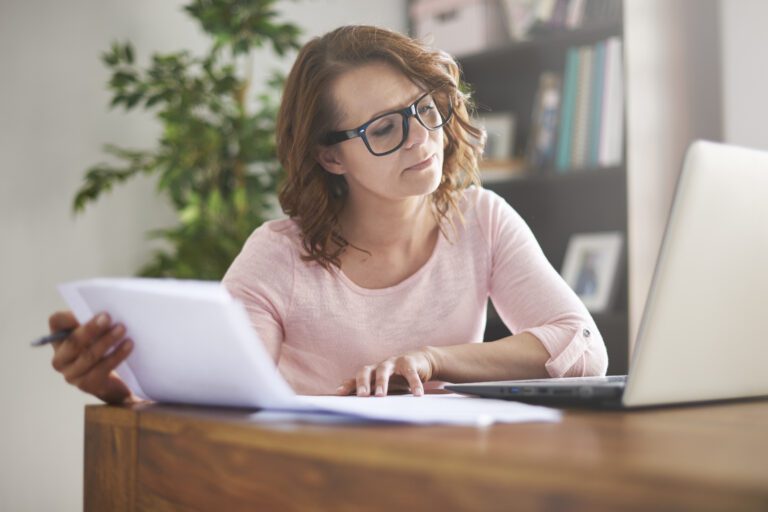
x=422, y=165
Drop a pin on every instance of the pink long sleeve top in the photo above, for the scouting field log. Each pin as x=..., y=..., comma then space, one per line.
x=321, y=328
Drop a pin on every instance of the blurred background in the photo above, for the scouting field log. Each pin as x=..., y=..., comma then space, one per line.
x=589, y=106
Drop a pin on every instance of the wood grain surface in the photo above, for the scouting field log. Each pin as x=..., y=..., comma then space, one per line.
x=158, y=457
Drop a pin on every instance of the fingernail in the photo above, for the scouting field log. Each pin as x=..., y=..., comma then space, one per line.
x=340, y=389
x=379, y=391
x=127, y=345
x=102, y=320
x=360, y=391
x=419, y=392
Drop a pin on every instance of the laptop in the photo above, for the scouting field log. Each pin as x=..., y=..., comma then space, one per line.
x=703, y=335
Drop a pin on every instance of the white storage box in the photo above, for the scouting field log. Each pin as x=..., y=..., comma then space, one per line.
x=460, y=27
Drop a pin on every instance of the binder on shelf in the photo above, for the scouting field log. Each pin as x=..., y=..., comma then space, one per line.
x=596, y=105
x=565, y=132
x=612, y=132
x=581, y=114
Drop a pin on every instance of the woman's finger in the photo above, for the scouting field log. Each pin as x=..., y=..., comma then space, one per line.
x=363, y=380
x=383, y=373
x=346, y=387
x=92, y=354
x=79, y=340
x=407, y=368
x=116, y=390
x=96, y=381
x=91, y=330
x=62, y=320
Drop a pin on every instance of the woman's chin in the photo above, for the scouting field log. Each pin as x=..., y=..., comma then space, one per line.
x=423, y=183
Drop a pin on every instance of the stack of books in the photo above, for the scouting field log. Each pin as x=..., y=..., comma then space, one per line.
x=591, y=127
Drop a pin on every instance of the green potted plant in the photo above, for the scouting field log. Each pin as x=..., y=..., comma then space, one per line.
x=215, y=159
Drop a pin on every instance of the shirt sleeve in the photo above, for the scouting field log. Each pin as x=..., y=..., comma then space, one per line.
x=530, y=296
x=261, y=277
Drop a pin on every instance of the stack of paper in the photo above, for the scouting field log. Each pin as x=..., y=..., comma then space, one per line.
x=193, y=344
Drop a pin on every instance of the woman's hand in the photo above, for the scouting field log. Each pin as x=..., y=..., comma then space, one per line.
x=82, y=358
x=407, y=371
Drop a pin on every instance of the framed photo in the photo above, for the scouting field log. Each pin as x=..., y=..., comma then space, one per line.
x=591, y=266
x=546, y=110
x=500, y=133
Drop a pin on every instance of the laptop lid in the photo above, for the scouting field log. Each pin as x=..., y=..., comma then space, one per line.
x=703, y=332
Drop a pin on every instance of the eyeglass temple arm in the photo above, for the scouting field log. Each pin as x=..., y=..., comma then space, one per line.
x=336, y=137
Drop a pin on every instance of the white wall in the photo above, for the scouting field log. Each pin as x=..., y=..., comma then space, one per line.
x=675, y=95
x=53, y=122
x=745, y=80
x=673, y=98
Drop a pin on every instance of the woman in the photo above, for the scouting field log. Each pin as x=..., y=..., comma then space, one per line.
x=379, y=277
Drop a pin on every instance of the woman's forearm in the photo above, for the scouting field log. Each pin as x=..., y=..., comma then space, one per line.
x=521, y=356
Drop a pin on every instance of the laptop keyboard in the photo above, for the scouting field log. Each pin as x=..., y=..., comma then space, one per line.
x=610, y=379
x=577, y=381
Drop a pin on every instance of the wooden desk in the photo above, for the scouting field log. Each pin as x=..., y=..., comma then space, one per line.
x=172, y=458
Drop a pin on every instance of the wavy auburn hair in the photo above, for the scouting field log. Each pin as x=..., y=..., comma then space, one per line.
x=314, y=197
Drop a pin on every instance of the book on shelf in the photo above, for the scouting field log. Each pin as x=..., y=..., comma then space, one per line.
x=591, y=129
x=545, y=10
x=559, y=13
x=564, y=136
x=575, y=16
x=596, y=104
x=581, y=110
x=611, y=142
x=521, y=16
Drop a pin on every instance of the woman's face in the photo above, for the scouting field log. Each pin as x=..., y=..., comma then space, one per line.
x=414, y=169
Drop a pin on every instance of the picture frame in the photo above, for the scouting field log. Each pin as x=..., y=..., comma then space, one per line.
x=500, y=135
x=591, y=267
x=542, y=140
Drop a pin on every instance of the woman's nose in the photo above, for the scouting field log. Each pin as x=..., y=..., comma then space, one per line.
x=417, y=134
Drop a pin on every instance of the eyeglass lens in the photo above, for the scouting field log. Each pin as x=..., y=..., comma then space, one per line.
x=386, y=133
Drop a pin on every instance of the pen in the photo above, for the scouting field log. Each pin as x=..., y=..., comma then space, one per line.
x=56, y=336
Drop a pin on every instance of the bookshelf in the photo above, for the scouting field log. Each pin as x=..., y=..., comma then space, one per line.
x=556, y=202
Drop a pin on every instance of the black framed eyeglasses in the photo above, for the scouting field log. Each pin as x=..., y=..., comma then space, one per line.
x=386, y=133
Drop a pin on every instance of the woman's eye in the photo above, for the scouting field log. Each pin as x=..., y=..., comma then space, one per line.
x=382, y=131
x=426, y=108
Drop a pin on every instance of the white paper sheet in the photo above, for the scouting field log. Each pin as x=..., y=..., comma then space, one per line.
x=448, y=409
x=193, y=344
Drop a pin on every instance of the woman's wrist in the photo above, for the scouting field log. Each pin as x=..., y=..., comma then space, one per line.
x=435, y=356
x=521, y=356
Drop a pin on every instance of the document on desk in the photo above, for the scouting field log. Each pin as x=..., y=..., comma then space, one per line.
x=193, y=344
x=448, y=409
